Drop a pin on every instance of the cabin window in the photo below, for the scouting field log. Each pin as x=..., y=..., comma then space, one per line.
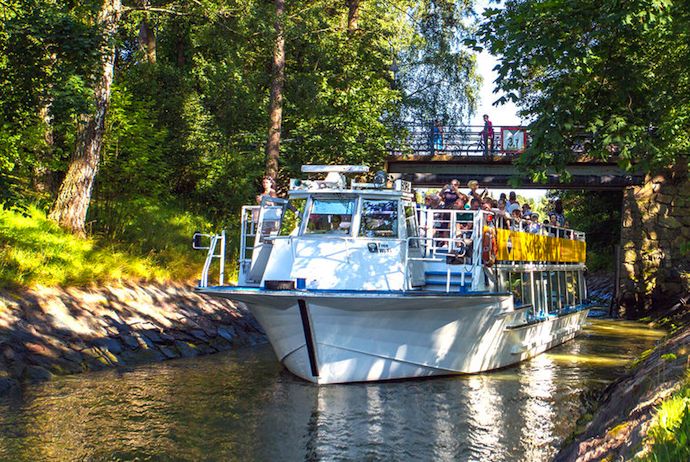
x=563, y=290
x=330, y=216
x=527, y=296
x=554, y=305
x=571, y=282
x=271, y=217
x=379, y=218
x=292, y=219
x=411, y=224
x=515, y=286
x=576, y=288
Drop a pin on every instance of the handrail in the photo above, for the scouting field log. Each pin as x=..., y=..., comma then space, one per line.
x=214, y=239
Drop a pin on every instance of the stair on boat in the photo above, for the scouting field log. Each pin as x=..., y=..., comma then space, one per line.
x=437, y=281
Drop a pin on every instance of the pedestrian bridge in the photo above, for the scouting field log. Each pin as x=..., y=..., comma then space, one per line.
x=432, y=157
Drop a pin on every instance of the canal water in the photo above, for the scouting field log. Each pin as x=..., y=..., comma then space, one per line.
x=244, y=406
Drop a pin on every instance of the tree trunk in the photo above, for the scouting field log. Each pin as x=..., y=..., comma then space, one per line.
x=352, y=15
x=42, y=176
x=147, y=41
x=276, y=102
x=181, y=59
x=72, y=203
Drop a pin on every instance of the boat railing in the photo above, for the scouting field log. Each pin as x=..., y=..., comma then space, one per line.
x=248, y=223
x=529, y=226
x=215, y=240
x=438, y=256
x=450, y=232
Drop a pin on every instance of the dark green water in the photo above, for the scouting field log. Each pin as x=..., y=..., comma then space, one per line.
x=243, y=406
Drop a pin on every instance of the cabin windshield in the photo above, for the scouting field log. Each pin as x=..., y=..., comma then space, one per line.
x=330, y=216
x=379, y=218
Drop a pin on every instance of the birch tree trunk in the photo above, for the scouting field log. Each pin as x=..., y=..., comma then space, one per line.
x=276, y=101
x=72, y=203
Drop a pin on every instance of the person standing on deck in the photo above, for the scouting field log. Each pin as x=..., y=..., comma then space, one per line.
x=512, y=203
x=488, y=136
x=268, y=186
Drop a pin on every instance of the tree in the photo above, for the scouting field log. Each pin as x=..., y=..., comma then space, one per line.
x=72, y=203
x=436, y=71
x=615, y=71
x=275, y=111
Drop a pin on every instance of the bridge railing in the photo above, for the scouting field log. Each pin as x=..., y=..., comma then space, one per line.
x=462, y=140
x=427, y=139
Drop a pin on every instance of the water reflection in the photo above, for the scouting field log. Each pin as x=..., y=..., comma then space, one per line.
x=244, y=406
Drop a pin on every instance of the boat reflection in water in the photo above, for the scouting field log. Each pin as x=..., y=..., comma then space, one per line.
x=245, y=406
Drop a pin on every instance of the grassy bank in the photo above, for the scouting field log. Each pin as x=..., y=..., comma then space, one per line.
x=668, y=438
x=156, y=247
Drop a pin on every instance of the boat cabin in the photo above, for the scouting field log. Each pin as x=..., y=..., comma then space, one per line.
x=331, y=235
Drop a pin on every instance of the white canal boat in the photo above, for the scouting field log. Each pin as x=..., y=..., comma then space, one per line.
x=359, y=283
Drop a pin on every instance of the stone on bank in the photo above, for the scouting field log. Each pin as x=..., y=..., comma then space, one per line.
x=54, y=331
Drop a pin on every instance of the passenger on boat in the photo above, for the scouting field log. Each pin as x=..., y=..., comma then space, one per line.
x=431, y=201
x=268, y=186
x=516, y=224
x=449, y=195
x=474, y=190
x=558, y=210
x=460, y=203
x=512, y=203
x=534, y=226
x=526, y=211
x=475, y=204
x=502, y=215
x=462, y=244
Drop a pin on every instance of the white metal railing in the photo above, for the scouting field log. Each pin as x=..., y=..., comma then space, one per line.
x=248, y=225
x=214, y=239
x=452, y=233
x=530, y=226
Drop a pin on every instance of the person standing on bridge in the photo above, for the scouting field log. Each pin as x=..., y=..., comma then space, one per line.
x=488, y=136
x=437, y=135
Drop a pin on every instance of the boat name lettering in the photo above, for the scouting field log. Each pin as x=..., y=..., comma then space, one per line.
x=379, y=247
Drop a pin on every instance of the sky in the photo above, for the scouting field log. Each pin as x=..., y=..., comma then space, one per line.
x=500, y=115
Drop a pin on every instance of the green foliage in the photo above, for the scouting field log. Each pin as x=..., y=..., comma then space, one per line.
x=34, y=251
x=614, y=71
x=437, y=72
x=668, y=437
x=597, y=213
x=133, y=169
x=188, y=130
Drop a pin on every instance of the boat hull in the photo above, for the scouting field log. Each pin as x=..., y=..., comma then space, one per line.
x=344, y=337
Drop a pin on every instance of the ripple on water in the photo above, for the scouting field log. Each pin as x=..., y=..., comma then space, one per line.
x=244, y=406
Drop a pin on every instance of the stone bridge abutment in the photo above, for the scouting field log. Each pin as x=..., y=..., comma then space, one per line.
x=655, y=242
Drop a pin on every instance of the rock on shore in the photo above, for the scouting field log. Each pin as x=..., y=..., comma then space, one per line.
x=628, y=405
x=50, y=331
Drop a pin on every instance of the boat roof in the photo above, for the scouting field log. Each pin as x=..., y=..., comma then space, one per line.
x=335, y=183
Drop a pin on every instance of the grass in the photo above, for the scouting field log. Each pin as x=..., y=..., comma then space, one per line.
x=156, y=247
x=668, y=438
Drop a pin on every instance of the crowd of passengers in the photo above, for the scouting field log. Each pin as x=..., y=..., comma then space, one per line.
x=509, y=213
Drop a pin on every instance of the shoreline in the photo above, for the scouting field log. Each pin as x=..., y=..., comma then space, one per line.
x=55, y=331
x=618, y=426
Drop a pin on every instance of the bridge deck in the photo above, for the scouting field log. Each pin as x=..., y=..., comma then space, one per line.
x=432, y=157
